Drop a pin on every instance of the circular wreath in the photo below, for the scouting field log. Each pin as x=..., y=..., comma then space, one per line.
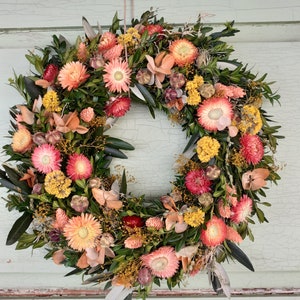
x=59, y=153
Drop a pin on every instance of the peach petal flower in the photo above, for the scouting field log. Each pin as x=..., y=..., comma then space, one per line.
x=160, y=66
x=72, y=75
x=58, y=256
x=254, y=180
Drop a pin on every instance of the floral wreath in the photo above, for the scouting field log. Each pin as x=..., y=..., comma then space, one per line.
x=58, y=175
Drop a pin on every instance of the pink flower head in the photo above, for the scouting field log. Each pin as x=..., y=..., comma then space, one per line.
x=87, y=114
x=61, y=219
x=196, y=182
x=117, y=76
x=162, y=262
x=82, y=52
x=155, y=222
x=117, y=107
x=224, y=209
x=133, y=242
x=252, y=148
x=79, y=167
x=152, y=28
x=242, y=210
x=215, y=114
x=233, y=235
x=72, y=75
x=113, y=53
x=46, y=158
x=107, y=41
x=215, y=232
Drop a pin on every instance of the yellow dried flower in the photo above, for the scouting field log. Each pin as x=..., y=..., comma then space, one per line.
x=194, y=97
x=207, y=148
x=238, y=160
x=51, y=102
x=251, y=121
x=57, y=184
x=194, y=217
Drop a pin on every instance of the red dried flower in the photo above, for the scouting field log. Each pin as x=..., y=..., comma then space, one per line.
x=133, y=221
x=197, y=182
x=252, y=148
x=117, y=107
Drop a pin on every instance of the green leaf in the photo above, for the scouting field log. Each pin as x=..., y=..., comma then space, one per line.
x=118, y=144
x=123, y=188
x=14, y=177
x=192, y=141
x=239, y=255
x=148, y=97
x=33, y=90
x=114, y=152
x=19, y=228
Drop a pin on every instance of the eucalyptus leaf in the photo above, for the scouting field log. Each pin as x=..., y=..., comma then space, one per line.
x=148, y=97
x=123, y=188
x=239, y=255
x=118, y=144
x=19, y=227
x=194, y=138
x=114, y=152
x=32, y=89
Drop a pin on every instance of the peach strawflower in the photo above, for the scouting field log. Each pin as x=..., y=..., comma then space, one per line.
x=46, y=158
x=184, y=52
x=215, y=232
x=79, y=167
x=252, y=148
x=117, y=76
x=215, y=114
x=82, y=231
x=242, y=210
x=233, y=235
x=21, y=140
x=72, y=75
x=162, y=262
x=196, y=182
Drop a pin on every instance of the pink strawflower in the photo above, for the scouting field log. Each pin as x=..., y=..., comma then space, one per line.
x=231, y=195
x=113, y=53
x=82, y=52
x=107, y=41
x=162, y=262
x=233, y=235
x=196, y=182
x=215, y=114
x=237, y=92
x=117, y=76
x=242, y=210
x=252, y=148
x=79, y=167
x=215, y=232
x=133, y=242
x=72, y=75
x=224, y=209
x=61, y=219
x=87, y=114
x=117, y=107
x=46, y=158
x=155, y=222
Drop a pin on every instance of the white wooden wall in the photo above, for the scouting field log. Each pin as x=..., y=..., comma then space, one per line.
x=269, y=41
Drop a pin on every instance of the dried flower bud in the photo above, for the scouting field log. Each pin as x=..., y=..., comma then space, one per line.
x=205, y=199
x=202, y=59
x=177, y=80
x=39, y=138
x=87, y=114
x=170, y=94
x=212, y=172
x=97, y=62
x=143, y=76
x=37, y=189
x=207, y=90
x=79, y=203
x=95, y=183
x=144, y=276
x=53, y=137
x=107, y=240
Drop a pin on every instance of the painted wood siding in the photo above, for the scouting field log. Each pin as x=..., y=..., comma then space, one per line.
x=269, y=41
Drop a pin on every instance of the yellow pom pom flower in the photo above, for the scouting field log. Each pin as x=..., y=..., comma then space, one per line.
x=207, y=148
